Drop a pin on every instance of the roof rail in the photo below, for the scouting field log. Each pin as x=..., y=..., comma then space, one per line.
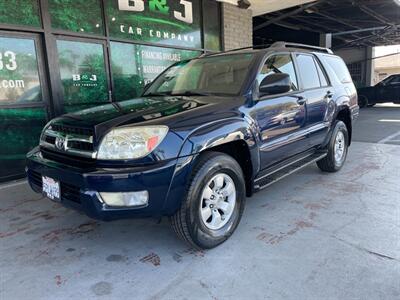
x=237, y=49
x=302, y=46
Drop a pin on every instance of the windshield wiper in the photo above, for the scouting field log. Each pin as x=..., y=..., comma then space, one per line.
x=158, y=94
x=190, y=93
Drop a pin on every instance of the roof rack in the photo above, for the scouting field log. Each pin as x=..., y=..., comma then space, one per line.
x=302, y=46
x=274, y=45
x=237, y=49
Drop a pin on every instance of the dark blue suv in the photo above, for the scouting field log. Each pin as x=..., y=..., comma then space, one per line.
x=205, y=134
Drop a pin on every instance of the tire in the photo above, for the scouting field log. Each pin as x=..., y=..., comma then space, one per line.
x=362, y=101
x=190, y=222
x=337, y=149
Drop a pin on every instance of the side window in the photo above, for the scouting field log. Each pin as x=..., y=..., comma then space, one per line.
x=280, y=63
x=308, y=71
x=339, y=68
x=395, y=80
x=322, y=77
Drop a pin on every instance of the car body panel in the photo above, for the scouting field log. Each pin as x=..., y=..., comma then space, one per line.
x=388, y=90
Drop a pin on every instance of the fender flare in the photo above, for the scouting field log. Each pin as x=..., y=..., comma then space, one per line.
x=220, y=132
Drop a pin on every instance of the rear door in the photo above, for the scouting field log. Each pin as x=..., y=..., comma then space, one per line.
x=317, y=90
x=281, y=117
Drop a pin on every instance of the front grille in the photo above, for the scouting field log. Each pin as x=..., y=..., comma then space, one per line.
x=68, y=145
x=77, y=145
x=72, y=130
x=69, y=192
x=67, y=159
x=50, y=139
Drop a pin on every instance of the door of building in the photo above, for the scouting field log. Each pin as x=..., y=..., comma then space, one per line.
x=24, y=100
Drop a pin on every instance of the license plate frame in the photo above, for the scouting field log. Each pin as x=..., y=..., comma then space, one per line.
x=51, y=188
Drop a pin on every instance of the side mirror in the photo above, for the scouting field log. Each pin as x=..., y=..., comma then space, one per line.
x=275, y=84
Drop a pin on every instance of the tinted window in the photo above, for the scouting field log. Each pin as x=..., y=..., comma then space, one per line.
x=20, y=130
x=212, y=25
x=76, y=15
x=322, y=77
x=83, y=74
x=394, y=79
x=308, y=71
x=339, y=68
x=133, y=66
x=19, y=74
x=19, y=12
x=281, y=63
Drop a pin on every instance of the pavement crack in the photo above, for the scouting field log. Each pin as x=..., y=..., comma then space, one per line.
x=380, y=255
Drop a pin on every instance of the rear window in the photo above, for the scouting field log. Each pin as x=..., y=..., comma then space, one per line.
x=339, y=68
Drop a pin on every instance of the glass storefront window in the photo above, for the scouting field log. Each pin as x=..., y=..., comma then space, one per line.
x=20, y=12
x=83, y=74
x=133, y=66
x=20, y=130
x=19, y=75
x=175, y=23
x=83, y=16
x=212, y=25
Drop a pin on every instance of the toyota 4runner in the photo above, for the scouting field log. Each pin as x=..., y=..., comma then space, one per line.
x=205, y=134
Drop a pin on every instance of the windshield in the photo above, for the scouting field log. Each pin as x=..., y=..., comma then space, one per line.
x=215, y=75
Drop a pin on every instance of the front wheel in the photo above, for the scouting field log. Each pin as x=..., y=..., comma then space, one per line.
x=214, y=203
x=337, y=149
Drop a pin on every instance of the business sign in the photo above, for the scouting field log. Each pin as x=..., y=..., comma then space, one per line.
x=168, y=22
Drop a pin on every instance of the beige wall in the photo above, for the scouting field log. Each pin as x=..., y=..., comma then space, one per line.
x=386, y=66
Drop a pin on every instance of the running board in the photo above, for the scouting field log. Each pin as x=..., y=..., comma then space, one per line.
x=280, y=173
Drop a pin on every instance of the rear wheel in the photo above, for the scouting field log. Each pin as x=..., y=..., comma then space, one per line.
x=337, y=149
x=214, y=203
x=362, y=101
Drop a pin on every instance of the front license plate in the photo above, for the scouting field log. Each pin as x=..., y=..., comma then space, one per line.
x=51, y=188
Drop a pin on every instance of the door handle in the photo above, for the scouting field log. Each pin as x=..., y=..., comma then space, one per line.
x=329, y=95
x=301, y=100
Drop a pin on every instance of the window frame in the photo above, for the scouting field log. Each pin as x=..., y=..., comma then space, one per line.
x=263, y=61
x=106, y=56
x=324, y=73
x=40, y=66
x=301, y=79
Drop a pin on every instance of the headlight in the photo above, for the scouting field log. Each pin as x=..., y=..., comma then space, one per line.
x=131, y=142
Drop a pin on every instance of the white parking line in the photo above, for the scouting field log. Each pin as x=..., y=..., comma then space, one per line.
x=12, y=184
x=389, y=138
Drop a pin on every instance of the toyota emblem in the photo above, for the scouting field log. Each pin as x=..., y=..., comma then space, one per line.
x=60, y=143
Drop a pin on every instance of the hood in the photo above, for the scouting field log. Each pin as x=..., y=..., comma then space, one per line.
x=176, y=112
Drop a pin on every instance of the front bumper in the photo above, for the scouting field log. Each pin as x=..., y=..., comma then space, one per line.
x=80, y=188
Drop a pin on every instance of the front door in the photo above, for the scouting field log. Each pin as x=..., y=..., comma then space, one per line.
x=390, y=91
x=280, y=118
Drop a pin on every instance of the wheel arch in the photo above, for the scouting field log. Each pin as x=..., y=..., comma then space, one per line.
x=344, y=115
x=233, y=137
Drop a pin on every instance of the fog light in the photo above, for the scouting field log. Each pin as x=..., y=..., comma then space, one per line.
x=128, y=199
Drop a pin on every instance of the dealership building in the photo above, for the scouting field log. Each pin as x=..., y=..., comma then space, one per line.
x=59, y=56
